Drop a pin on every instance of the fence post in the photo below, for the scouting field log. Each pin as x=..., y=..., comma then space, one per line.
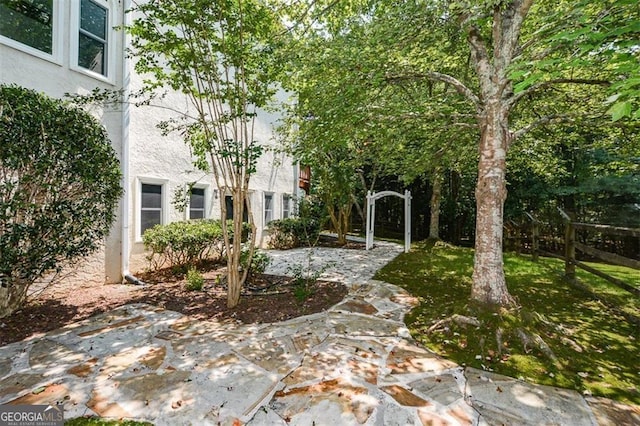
x=535, y=244
x=569, y=247
x=535, y=236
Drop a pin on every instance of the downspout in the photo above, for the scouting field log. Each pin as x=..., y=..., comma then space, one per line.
x=126, y=81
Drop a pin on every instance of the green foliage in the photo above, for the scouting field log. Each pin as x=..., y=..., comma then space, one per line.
x=259, y=261
x=305, y=275
x=59, y=190
x=195, y=280
x=183, y=243
x=590, y=340
x=293, y=232
x=220, y=55
x=604, y=33
x=302, y=230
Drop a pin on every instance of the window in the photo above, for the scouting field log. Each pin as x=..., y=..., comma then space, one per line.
x=286, y=206
x=268, y=208
x=29, y=22
x=92, y=37
x=196, y=203
x=228, y=201
x=150, y=206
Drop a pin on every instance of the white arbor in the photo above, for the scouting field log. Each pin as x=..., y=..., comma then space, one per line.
x=371, y=216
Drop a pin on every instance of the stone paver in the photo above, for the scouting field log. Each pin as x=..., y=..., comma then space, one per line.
x=352, y=365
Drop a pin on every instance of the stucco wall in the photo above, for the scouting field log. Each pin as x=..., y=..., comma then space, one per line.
x=56, y=76
x=167, y=160
x=152, y=156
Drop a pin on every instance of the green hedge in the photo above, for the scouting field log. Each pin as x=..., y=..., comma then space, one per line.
x=186, y=243
x=293, y=232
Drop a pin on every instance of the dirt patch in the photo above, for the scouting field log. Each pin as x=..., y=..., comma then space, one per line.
x=266, y=299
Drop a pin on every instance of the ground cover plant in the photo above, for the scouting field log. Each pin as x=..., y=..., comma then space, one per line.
x=561, y=335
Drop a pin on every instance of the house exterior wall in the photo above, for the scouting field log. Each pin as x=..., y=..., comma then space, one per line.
x=58, y=74
x=150, y=157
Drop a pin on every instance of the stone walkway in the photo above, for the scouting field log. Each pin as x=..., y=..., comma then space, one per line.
x=354, y=364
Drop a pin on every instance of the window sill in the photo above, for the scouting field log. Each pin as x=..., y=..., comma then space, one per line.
x=93, y=75
x=31, y=51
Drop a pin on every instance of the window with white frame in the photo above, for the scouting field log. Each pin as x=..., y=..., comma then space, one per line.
x=93, y=36
x=150, y=206
x=268, y=208
x=197, y=203
x=286, y=206
x=30, y=23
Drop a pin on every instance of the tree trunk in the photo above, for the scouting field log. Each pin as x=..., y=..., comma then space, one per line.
x=436, y=196
x=13, y=294
x=489, y=285
x=234, y=284
x=491, y=60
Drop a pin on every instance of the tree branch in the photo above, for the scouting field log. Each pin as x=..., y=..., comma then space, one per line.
x=515, y=98
x=436, y=76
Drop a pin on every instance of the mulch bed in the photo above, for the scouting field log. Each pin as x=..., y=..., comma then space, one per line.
x=271, y=299
x=266, y=299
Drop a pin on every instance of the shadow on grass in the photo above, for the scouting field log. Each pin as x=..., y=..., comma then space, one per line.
x=594, y=348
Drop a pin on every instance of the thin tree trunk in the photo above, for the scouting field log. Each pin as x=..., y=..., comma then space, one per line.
x=234, y=282
x=436, y=196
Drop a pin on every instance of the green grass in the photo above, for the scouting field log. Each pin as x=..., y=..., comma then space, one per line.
x=597, y=348
x=95, y=421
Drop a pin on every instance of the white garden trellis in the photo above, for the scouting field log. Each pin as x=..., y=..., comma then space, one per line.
x=371, y=216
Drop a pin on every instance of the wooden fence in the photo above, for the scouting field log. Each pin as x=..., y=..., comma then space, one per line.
x=519, y=236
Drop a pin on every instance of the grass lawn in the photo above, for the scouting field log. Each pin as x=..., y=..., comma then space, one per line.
x=592, y=347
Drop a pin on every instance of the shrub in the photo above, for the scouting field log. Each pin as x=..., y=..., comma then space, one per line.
x=258, y=263
x=180, y=244
x=293, y=232
x=195, y=280
x=59, y=190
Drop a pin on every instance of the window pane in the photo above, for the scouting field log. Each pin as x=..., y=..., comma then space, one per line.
x=196, y=214
x=197, y=198
x=286, y=203
x=151, y=196
x=228, y=201
x=148, y=219
x=268, y=208
x=91, y=54
x=28, y=22
x=93, y=19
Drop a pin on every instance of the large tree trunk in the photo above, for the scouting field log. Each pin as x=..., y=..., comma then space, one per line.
x=491, y=60
x=436, y=196
x=489, y=285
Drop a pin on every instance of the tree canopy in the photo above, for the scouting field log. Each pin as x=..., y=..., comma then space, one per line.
x=407, y=87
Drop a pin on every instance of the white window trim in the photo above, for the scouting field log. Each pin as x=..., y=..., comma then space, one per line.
x=74, y=38
x=264, y=208
x=207, y=201
x=164, y=214
x=57, y=37
x=282, y=201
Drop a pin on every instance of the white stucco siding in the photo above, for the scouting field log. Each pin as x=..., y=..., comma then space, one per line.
x=166, y=160
x=57, y=75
